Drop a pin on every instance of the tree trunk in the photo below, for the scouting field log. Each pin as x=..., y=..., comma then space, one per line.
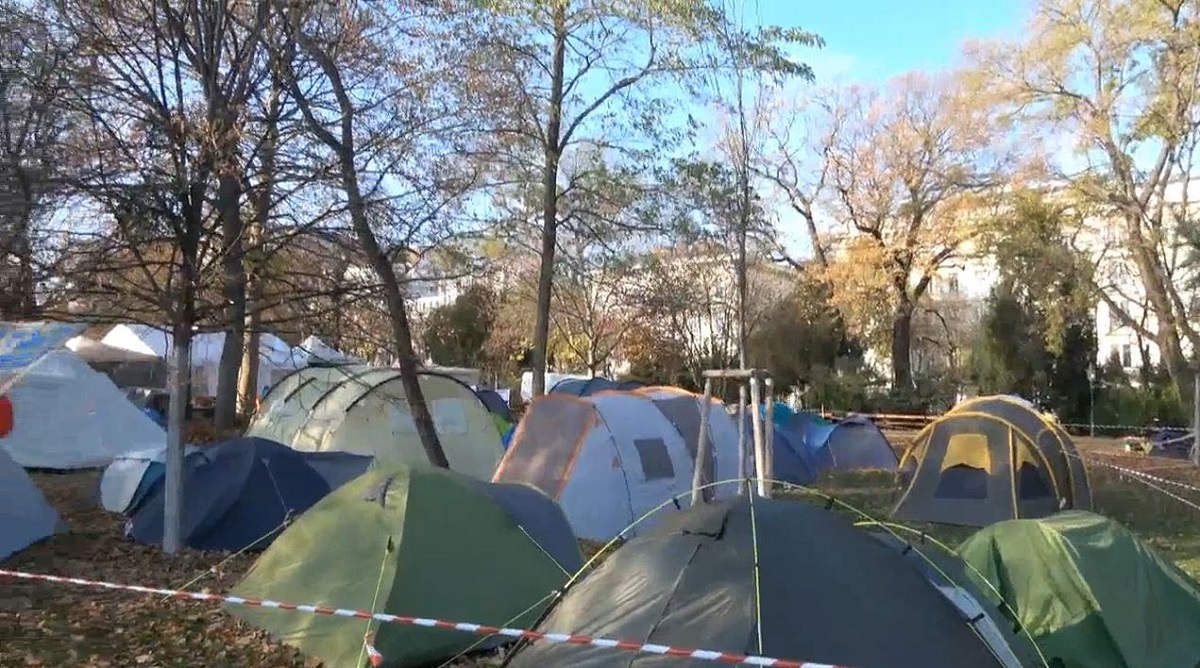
x=229, y=196
x=552, y=153
x=902, y=321
x=402, y=345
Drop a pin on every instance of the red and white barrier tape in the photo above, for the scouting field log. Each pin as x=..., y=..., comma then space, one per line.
x=1147, y=476
x=477, y=629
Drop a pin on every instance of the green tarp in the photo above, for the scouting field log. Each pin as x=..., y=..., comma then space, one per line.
x=1090, y=592
x=418, y=542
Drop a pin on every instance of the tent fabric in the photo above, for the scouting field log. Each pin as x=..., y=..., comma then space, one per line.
x=987, y=460
x=68, y=416
x=608, y=459
x=1090, y=592
x=794, y=461
x=585, y=387
x=274, y=353
x=418, y=541
x=828, y=593
x=855, y=443
x=132, y=475
x=363, y=410
x=494, y=403
x=238, y=496
x=950, y=574
x=25, y=516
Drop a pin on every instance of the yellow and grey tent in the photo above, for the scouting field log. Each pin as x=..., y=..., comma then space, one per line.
x=363, y=409
x=990, y=459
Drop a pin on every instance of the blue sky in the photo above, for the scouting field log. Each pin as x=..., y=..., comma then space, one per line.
x=877, y=39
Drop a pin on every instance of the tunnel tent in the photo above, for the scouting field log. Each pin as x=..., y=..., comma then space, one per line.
x=988, y=461
x=608, y=459
x=426, y=542
x=363, y=410
x=734, y=576
x=25, y=515
x=1089, y=591
x=683, y=409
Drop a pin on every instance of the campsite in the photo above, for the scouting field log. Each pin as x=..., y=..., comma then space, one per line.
x=598, y=334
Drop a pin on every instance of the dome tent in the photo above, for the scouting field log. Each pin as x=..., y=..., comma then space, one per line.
x=991, y=459
x=363, y=410
x=425, y=542
x=1090, y=592
x=851, y=444
x=829, y=592
x=239, y=495
x=607, y=459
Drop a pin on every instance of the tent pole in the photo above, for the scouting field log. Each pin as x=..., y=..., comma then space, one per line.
x=760, y=455
x=702, y=445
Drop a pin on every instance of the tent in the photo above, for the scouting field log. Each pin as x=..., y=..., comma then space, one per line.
x=583, y=387
x=853, y=443
x=1090, y=592
x=126, y=482
x=313, y=350
x=132, y=475
x=65, y=415
x=426, y=542
x=25, y=517
x=608, y=459
x=683, y=409
x=363, y=410
x=991, y=459
x=274, y=354
x=238, y=497
x=494, y=403
x=777, y=577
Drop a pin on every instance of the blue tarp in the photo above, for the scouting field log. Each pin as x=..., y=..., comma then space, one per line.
x=238, y=495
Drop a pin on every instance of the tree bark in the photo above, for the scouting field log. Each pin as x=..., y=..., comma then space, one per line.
x=343, y=147
x=902, y=320
x=229, y=199
x=552, y=154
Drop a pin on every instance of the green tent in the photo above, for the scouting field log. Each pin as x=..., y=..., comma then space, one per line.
x=420, y=542
x=1090, y=592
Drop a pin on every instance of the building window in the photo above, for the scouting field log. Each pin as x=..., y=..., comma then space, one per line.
x=952, y=285
x=1126, y=356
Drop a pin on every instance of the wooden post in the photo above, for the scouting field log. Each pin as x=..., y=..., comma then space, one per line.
x=769, y=428
x=760, y=455
x=743, y=459
x=702, y=444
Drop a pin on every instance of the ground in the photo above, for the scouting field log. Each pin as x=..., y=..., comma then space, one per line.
x=52, y=625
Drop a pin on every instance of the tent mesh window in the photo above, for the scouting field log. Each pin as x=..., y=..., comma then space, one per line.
x=965, y=468
x=656, y=461
x=1031, y=479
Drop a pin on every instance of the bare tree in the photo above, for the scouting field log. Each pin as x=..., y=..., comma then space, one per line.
x=33, y=125
x=372, y=94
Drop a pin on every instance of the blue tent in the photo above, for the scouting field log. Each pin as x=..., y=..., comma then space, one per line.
x=507, y=436
x=494, y=403
x=585, y=387
x=240, y=493
x=794, y=461
x=854, y=443
x=25, y=516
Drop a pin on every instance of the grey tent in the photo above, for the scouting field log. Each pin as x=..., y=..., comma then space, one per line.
x=25, y=517
x=829, y=593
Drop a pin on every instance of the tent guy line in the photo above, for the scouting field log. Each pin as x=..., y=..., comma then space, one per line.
x=466, y=627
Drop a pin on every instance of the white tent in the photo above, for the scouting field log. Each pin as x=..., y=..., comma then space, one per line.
x=608, y=459
x=274, y=354
x=68, y=416
x=25, y=517
x=123, y=479
x=314, y=350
